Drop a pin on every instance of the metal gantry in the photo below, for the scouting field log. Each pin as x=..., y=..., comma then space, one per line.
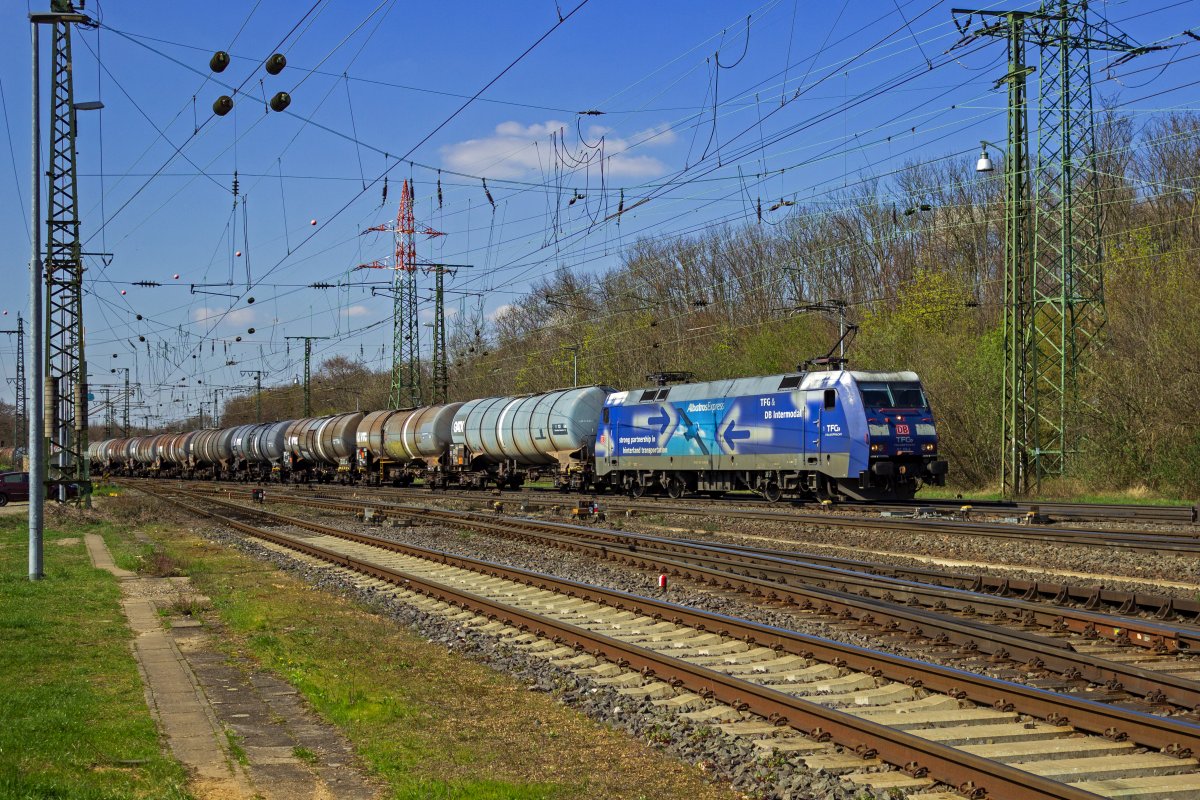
x=258, y=392
x=125, y=413
x=1054, y=281
x=308, y=340
x=21, y=404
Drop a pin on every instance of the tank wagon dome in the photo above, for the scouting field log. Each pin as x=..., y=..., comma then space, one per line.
x=223, y=443
x=172, y=451
x=537, y=429
x=336, y=437
x=239, y=443
x=272, y=440
x=257, y=440
x=204, y=447
x=370, y=431
x=418, y=433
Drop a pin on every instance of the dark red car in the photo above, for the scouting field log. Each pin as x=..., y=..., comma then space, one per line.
x=13, y=486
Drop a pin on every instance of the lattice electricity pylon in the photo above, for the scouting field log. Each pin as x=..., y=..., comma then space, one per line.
x=21, y=407
x=66, y=369
x=1054, y=282
x=441, y=357
x=406, y=329
x=1066, y=314
x=441, y=369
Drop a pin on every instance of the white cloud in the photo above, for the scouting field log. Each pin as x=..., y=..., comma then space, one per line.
x=500, y=311
x=357, y=310
x=515, y=150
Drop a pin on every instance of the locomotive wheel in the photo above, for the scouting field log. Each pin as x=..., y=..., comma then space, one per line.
x=637, y=489
x=675, y=488
x=772, y=493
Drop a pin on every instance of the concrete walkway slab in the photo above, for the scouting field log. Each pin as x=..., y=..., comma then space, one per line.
x=237, y=731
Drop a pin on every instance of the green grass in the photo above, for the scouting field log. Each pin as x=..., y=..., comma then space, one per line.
x=1051, y=495
x=73, y=718
x=427, y=722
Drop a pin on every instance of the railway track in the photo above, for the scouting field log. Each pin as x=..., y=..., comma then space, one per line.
x=1032, y=636
x=1169, y=514
x=1143, y=541
x=795, y=694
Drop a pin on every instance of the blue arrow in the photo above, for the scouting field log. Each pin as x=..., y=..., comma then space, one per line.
x=731, y=434
x=662, y=422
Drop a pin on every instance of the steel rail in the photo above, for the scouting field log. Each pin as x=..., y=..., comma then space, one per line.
x=782, y=567
x=929, y=671
x=1160, y=606
x=1033, y=650
x=947, y=764
x=1172, y=543
x=1081, y=511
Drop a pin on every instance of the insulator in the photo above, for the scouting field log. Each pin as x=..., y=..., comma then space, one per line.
x=249, y=301
x=280, y=101
x=222, y=105
x=219, y=61
x=250, y=330
x=237, y=338
x=141, y=338
x=276, y=63
x=139, y=316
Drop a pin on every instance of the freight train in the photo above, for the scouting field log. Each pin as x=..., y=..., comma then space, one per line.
x=827, y=434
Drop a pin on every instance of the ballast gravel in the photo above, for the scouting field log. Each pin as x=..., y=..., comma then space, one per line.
x=723, y=758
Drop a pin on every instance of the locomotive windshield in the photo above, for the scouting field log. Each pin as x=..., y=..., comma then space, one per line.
x=892, y=395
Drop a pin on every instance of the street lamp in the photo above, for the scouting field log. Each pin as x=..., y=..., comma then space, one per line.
x=984, y=164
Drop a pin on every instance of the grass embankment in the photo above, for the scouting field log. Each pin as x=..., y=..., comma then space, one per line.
x=430, y=723
x=1058, y=492
x=73, y=716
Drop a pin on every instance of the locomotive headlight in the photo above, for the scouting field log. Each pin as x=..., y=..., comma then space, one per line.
x=876, y=448
x=929, y=447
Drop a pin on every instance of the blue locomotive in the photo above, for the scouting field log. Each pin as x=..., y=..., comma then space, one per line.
x=861, y=435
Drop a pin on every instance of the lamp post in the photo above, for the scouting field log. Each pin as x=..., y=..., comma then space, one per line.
x=574, y=348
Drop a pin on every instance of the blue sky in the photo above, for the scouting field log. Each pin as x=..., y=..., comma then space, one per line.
x=875, y=87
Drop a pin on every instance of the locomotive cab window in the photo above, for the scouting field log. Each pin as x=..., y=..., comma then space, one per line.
x=875, y=395
x=830, y=399
x=908, y=395
x=605, y=415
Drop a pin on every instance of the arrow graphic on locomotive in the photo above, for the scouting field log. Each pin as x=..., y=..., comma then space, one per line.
x=732, y=434
x=663, y=422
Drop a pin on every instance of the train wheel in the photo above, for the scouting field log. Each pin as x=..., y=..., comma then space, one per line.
x=772, y=493
x=675, y=488
x=637, y=489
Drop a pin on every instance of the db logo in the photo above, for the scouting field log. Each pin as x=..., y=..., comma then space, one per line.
x=902, y=430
